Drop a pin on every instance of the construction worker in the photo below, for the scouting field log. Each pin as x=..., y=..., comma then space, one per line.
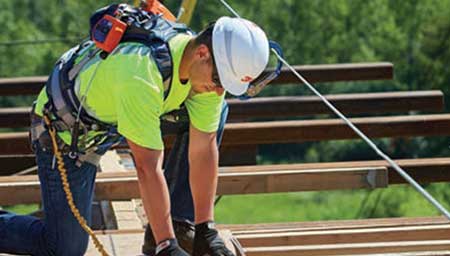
x=123, y=92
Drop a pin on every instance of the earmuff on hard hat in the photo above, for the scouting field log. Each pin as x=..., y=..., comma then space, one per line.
x=256, y=86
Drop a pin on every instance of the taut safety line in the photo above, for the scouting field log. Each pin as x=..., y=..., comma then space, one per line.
x=394, y=165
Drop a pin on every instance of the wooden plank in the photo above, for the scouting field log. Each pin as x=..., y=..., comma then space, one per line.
x=315, y=130
x=106, y=241
x=368, y=235
x=338, y=72
x=356, y=103
x=109, y=220
x=323, y=225
x=294, y=131
x=424, y=170
x=350, y=249
x=293, y=180
x=427, y=253
x=227, y=238
x=327, y=225
x=238, y=155
x=12, y=164
x=271, y=107
x=314, y=73
x=123, y=185
x=125, y=215
x=22, y=85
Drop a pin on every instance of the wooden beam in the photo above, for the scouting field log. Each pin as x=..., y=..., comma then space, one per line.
x=15, y=117
x=252, y=133
x=346, y=236
x=123, y=185
x=314, y=73
x=254, y=179
x=424, y=170
x=22, y=85
x=357, y=103
x=328, y=225
x=278, y=107
x=350, y=249
x=305, y=180
x=315, y=130
x=11, y=164
x=338, y=72
x=323, y=225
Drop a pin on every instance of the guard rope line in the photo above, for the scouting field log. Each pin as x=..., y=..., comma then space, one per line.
x=394, y=165
x=66, y=186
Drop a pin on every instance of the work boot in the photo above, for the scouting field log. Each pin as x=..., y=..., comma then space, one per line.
x=184, y=232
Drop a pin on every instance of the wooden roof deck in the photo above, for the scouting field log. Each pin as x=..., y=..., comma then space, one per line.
x=394, y=236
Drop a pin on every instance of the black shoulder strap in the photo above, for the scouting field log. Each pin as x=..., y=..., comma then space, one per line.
x=156, y=34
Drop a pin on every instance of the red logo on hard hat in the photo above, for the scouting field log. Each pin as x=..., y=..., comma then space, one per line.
x=246, y=79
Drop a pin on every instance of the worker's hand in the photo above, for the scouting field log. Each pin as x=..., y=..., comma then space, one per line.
x=170, y=248
x=208, y=242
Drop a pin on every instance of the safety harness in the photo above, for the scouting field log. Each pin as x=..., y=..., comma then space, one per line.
x=110, y=26
x=65, y=112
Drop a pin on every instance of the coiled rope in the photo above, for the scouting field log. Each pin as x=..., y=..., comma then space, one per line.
x=66, y=186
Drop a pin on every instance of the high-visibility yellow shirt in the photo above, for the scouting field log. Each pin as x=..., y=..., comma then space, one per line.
x=126, y=89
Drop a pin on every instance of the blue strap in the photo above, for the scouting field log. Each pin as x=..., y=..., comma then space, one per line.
x=259, y=83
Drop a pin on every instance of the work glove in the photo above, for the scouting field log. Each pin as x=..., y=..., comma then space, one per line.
x=184, y=232
x=208, y=242
x=170, y=247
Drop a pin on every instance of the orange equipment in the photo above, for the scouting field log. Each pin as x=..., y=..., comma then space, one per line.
x=156, y=7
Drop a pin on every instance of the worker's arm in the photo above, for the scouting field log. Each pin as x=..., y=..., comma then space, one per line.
x=203, y=166
x=153, y=189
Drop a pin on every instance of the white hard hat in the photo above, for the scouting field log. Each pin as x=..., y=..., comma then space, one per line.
x=241, y=52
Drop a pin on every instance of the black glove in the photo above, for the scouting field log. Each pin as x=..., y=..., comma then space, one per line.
x=170, y=247
x=184, y=232
x=208, y=242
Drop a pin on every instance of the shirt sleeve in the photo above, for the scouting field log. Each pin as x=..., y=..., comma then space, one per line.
x=204, y=110
x=139, y=108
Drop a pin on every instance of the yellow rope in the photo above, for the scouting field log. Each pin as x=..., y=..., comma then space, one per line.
x=66, y=187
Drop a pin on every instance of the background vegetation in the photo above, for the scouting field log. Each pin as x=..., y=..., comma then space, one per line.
x=414, y=35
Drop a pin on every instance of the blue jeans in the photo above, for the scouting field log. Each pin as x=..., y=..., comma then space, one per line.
x=59, y=232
